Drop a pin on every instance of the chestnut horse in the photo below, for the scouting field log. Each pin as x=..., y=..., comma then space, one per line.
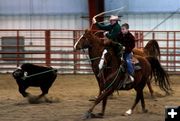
x=114, y=76
x=151, y=49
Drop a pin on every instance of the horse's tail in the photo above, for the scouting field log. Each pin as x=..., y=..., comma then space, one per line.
x=160, y=75
x=152, y=48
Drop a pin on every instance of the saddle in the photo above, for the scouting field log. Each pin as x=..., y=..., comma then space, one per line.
x=127, y=84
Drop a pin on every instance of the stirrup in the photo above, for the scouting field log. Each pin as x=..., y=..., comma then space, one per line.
x=127, y=81
x=132, y=78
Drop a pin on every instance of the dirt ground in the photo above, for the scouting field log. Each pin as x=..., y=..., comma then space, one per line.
x=71, y=93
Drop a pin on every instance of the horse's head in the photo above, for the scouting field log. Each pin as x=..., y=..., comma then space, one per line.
x=84, y=41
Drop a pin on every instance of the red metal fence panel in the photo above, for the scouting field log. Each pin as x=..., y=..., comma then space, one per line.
x=55, y=48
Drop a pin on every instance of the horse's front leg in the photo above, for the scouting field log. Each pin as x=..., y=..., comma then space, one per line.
x=103, y=106
x=100, y=115
x=101, y=87
x=101, y=97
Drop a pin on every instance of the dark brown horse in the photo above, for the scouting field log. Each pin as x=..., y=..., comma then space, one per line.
x=114, y=76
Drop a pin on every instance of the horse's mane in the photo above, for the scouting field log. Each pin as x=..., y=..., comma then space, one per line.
x=94, y=37
x=100, y=42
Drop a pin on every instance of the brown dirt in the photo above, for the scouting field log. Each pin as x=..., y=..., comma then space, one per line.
x=73, y=92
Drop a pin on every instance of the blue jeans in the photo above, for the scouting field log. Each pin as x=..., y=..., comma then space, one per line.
x=128, y=59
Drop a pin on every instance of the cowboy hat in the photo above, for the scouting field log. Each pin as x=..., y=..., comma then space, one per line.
x=115, y=18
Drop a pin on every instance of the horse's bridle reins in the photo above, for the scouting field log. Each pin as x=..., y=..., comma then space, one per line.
x=79, y=40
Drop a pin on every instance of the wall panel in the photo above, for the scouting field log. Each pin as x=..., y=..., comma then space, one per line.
x=43, y=22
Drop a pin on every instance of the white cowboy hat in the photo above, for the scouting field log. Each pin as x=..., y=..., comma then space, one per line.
x=115, y=18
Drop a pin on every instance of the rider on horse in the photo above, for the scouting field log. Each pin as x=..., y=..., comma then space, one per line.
x=128, y=41
x=119, y=36
x=112, y=31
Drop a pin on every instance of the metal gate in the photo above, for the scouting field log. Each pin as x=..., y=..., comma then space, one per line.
x=55, y=48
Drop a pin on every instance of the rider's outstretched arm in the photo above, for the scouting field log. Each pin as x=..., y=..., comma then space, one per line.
x=104, y=27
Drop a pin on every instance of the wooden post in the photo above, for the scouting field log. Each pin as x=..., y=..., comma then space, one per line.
x=174, y=51
x=17, y=47
x=141, y=40
x=75, y=54
x=153, y=36
x=137, y=39
x=48, y=47
x=95, y=7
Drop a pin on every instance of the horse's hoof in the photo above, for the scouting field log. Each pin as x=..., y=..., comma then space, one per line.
x=88, y=115
x=128, y=113
x=145, y=111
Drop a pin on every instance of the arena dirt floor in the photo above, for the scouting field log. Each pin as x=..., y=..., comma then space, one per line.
x=70, y=95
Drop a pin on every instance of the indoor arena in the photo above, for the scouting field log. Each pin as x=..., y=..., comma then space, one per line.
x=96, y=60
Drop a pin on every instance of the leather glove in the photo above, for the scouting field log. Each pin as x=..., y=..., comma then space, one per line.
x=105, y=33
x=94, y=21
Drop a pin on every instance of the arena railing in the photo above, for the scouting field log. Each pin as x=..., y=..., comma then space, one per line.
x=55, y=48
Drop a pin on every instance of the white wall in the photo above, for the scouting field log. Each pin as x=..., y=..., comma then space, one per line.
x=43, y=22
x=50, y=7
x=144, y=6
x=136, y=21
x=150, y=20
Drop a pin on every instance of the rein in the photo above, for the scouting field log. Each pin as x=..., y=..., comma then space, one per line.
x=114, y=80
x=100, y=31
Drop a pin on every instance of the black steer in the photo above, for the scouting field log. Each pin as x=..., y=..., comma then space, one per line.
x=44, y=80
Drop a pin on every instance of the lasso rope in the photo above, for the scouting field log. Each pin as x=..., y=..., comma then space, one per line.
x=100, y=14
x=168, y=17
x=25, y=77
x=95, y=58
x=44, y=72
x=105, y=12
x=120, y=85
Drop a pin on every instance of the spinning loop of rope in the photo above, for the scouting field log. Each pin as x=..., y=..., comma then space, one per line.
x=105, y=12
